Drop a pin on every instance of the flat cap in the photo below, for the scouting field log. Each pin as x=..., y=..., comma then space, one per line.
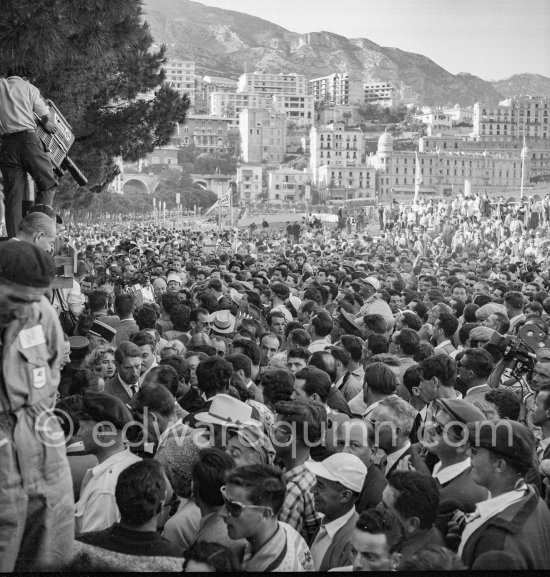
x=460, y=410
x=25, y=264
x=104, y=407
x=504, y=437
x=348, y=323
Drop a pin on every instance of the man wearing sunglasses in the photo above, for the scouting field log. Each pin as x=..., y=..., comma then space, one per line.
x=253, y=496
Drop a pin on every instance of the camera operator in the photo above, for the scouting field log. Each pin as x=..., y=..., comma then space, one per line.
x=21, y=150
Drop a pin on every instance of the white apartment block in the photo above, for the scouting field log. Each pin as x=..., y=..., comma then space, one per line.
x=299, y=109
x=249, y=183
x=353, y=181
x=231, y=104
x=512, y=119
x=378, y=93
x=206, y=85
x=335, y=145
x=435, y=120
x=338, y=88
x=287, y=185
x=273, y=83
x=180, y=75
x=459, y=115
x=263, y=135
x=443, y=172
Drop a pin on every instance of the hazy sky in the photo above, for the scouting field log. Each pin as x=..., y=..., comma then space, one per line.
x=492, y=39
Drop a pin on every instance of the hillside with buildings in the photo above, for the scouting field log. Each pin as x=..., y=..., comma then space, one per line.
x=226, y=43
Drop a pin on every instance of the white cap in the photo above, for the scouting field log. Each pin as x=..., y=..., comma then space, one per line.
x=372, y=281
x=345, y=468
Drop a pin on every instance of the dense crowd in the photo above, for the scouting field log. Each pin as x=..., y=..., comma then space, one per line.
x=295, y=398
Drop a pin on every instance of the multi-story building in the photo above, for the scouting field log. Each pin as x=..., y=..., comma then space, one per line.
x=378, y=93
x=460, y=115
x=207, y=133
x=347, y=182
x=180, y=75
x=512, y=119
x=335, y=145
x=249, y=183
x=298, y=108
x=230, y=105
x=539, y=149
x=443, y=172
x=263, y=135
x=287, y=185
x=435, y=120
x=207, y=85
x=163, y=155
x=273, y=83
x=338, y=88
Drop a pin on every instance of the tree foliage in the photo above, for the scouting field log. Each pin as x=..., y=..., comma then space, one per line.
x=94, y=60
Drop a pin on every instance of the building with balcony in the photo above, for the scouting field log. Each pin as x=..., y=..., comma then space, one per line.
x=338, y=88
x=267, y=83
x=180, y=75
x=207, y=85
x=347, y=182
x=263, y=135
x=444, y=172
x=206, y=133
x=512, y=119
x=335, y=145
x=231, y=104
x=378, y=93
x=249, y=183
x=299, y=109
x=287, y=185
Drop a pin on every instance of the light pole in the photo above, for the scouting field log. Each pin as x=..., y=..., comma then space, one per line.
x=524, y=152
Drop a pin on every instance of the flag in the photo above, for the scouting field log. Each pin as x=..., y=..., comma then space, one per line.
x=224, y=199
x=417, y=179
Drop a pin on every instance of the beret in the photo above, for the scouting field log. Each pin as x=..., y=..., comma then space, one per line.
x=505, y=437
x=461, y=410
x=104, y=407
x=25, y=264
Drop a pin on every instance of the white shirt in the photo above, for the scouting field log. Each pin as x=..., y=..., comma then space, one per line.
x=487, y=509
x=392, y=458
x=449, y=473
x=97, y=509
x=318, y=345
x=324, y=537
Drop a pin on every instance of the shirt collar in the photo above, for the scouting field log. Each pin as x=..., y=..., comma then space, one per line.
x=451, y=472
x=108, y=463
x=394, y=457
x=334, y=526
x=495, y=505
x=474, y=388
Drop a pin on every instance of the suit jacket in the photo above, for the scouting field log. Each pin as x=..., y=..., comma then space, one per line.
x=114, y=387
x=338, y=551
x=337, y=401
x=415, y=460
x=521, y=532
x=373, y=487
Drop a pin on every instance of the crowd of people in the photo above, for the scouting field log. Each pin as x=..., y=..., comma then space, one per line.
x=307, y=398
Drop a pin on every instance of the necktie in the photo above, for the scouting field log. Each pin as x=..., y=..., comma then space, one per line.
x=133, y=388
x=344, y=380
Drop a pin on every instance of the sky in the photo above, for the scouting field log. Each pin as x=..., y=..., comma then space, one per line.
x=492, y=39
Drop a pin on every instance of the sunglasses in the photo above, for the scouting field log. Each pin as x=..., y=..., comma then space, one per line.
x=235, y=508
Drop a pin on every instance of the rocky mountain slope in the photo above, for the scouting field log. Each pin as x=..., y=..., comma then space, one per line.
x=226, y=43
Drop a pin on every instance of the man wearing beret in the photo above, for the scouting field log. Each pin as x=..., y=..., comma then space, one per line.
x=102, y=423
x=445, y=438
x=36, y=498
x=511, y=529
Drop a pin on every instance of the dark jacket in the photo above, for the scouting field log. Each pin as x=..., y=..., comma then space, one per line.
x=373, y=487
x=114, y=387
x=521, y=532
x=338, y=551
x=337, y=402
